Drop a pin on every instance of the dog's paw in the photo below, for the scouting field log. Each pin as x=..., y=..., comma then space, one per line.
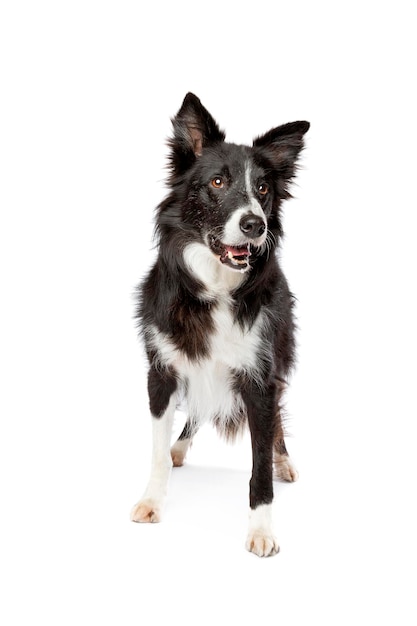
x=260, y=539
x=284, y=468
x=262, y=544
x=177, y=459
x=177, y=456
x=146, y=511
x=179, y=451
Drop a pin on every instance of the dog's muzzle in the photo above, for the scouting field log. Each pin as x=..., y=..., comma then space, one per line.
x=247, y=232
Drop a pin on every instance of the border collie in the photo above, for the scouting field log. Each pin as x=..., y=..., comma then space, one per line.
x=215, y=310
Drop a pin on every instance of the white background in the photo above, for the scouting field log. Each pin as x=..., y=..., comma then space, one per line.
x=88, y=89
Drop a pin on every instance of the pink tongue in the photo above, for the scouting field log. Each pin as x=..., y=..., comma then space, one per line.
x=243, y=251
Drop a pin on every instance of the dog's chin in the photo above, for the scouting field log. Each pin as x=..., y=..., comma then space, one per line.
x=234, y=257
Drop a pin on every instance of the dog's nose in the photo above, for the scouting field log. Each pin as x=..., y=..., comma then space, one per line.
x=252, y=225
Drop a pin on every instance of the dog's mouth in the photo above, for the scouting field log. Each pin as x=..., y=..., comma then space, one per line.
x=236, y=257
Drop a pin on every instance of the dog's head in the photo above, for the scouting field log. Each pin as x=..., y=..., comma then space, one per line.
x=230, y=195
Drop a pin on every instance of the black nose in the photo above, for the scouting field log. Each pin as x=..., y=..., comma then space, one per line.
x=252, y=225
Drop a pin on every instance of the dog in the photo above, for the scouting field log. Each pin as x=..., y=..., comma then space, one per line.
x=215, y=310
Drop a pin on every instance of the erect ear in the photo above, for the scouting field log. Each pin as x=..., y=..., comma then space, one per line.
x=283, y=145
x=194, y=128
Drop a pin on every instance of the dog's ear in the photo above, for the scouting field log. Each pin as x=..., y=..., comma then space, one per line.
x=283, y=145
x=194, y=128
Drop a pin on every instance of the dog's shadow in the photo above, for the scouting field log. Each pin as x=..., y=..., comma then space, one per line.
x=196, y=488
x=205, y=515
x=199, y=494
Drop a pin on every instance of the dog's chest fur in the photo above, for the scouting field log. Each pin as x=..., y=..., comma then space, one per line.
x=207, y=383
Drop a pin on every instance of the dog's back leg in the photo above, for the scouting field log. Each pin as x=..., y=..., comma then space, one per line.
x=162, y=400
x=180, y=447
x=284, y=467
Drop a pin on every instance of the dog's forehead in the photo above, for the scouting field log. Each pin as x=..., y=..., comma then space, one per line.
x=236, y=159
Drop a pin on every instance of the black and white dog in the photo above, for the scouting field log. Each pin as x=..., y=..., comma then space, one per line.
x=215, y=309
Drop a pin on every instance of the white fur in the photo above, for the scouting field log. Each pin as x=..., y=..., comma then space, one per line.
x=207, y=383
x=232, y=235
x=149, y=507
x=260, y=538
x=206, y=267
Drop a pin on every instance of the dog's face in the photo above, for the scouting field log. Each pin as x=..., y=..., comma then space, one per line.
x=228, y=203
x=231, y=194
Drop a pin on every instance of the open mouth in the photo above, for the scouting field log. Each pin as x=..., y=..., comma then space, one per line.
x=236, y=257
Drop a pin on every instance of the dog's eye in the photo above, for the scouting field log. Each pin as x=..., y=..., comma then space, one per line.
x=263, y=189
x=217, y=182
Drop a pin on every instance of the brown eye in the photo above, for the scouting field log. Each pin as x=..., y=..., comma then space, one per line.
x=217, y=182
x=263, y=189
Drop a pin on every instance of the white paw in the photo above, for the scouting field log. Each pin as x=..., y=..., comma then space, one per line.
x=261, y=540
x=284, y=468
x=178, y=452
x=146, y=511
x=262, y=544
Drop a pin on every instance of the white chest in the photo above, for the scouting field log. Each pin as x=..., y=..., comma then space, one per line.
x=207, y=383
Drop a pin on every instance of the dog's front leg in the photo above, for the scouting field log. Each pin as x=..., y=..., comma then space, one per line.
x=162, y=401
x=261, y=410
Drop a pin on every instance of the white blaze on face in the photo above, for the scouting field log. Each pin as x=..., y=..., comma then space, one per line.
x=232, y=234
